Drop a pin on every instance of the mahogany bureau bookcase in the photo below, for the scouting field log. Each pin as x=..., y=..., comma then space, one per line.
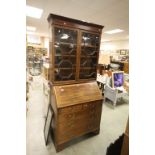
x=75, y=97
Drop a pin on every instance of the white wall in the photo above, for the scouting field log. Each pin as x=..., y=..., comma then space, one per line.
x=111, y=48
x=114, y=45
x=46, y=44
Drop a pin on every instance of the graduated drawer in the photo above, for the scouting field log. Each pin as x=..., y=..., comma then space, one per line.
x=81, y=118
x=88, y=111
x=79, y=107
x=76, y=130
x=70, y=109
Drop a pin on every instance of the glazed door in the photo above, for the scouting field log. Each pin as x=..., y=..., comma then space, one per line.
x=65, y=47
x=89, y=55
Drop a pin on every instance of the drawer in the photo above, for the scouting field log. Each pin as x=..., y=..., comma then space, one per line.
x=65, y=136
x=80, y=107
x=78, y=119
x=76, y=116
x=91, y=105
x=79, y=115
x=76, y=130
x=70, y=109
x=66, y=117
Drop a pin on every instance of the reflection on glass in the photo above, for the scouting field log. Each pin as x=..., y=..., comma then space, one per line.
x=65, y=36
x=89, y=39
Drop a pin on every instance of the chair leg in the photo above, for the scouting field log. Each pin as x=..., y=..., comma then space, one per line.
x=114, y=104
x=122, y=99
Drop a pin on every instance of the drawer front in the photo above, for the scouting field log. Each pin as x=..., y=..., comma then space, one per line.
x=76, y=130
x=78, y=123
x=70, y=109
x=79, y=120
x=79, y=107
x=78, y=111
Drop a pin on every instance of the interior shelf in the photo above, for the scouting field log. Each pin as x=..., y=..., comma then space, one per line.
x=64, y=43
x=65, y=55
x=87, y=67
x=91, y=56
x=89, y=46
x=63, y=68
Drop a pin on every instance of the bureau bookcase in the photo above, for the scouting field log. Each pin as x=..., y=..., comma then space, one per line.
x=75, y=97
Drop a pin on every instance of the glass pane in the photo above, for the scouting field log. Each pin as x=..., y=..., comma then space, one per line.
x=87, y=73
x=88, y=62
x=59, y=59
x=65, y=49
x=62, y=74
x=88, y=58
x=65, y=54
x=89, y=51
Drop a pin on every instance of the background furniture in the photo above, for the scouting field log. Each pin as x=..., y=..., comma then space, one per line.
x=101, y=80
x=48, y=122
x=75, y=97
x=46, y=71
x=115, y=147
x=121, y=145
x=34, y=65
x=113, y=93
x=29, y=80
x=124, y=65
x=46, y=91
x=104, y=61
x=125, y=146
x=46, y=87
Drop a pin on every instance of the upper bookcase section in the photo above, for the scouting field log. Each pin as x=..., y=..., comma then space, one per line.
x=74, y=49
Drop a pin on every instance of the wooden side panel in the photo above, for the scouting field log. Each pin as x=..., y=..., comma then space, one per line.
x=125, y=146
x=126, y=68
